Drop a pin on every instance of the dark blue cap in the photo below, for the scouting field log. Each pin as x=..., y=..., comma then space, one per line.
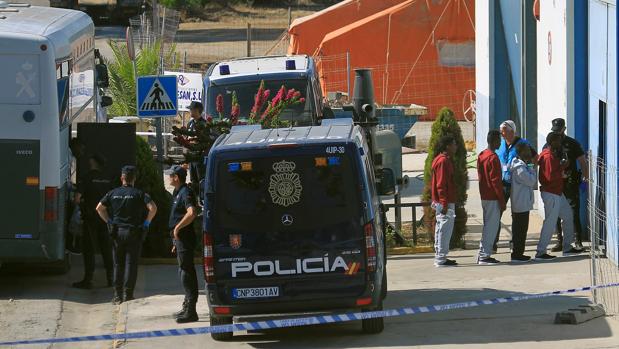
x=177, y=170
x=129, y=170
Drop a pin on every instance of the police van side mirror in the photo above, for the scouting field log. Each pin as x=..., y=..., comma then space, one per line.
x=103, y=79
x=386, y=184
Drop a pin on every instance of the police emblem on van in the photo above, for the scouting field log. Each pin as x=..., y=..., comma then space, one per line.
x=285, y=185
x=235, y=241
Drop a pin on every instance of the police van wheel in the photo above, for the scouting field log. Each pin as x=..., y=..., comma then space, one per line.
x=375, y=325
x=223, y=336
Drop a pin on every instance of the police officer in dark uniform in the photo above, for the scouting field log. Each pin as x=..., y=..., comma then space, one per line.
x=573, y=180
x=90, y=189
x=128, y=212
x=182, y=214
x=197, y=169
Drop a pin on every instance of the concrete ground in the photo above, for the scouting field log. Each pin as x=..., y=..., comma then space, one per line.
x=33, y=305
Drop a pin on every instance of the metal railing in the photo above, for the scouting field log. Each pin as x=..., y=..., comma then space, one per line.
x=603, y=215
x=398, y=217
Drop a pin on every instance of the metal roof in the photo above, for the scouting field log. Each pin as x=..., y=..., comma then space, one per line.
x=259, y=65
x=59, y=26
x=250, y=137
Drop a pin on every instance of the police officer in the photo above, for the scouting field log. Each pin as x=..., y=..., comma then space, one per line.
x=182, y=214
x=572, y=180
x=197, y=169
x=90, y=189
x=128, y=212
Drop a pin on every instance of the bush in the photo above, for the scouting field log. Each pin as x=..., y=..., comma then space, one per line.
x=446, y=124
x=151, y=181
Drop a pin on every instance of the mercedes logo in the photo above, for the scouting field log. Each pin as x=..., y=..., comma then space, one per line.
x=287, y=219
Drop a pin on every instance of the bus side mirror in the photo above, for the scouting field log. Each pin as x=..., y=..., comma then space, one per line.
x=103, y=79
x=386, y=186
x=106, y=101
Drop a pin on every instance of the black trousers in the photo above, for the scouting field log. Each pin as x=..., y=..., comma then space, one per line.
x=127, y=247
x=186, y=270
x=96, y=233
x=573, y=198
x=520, y=226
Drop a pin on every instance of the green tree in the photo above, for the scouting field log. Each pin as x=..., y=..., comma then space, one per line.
x=122, y=79
x=150, y=181
x=446, y=124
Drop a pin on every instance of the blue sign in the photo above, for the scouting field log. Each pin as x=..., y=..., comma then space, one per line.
x=157, y=96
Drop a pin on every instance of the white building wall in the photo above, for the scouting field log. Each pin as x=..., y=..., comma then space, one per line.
x=603, y=87
x=484, y=69
x=551, y=66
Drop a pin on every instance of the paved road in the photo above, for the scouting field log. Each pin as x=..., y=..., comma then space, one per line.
x=35, y=306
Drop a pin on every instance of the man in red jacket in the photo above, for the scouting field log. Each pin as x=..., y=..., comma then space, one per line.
x=551, y=166
x=492, y=196
x=443, y=190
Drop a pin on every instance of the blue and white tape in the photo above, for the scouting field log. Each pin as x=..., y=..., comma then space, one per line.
x=303, y=321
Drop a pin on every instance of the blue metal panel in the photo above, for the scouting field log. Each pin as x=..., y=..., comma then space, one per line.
x=501, y=96
x=580, y=130
x=511, y=12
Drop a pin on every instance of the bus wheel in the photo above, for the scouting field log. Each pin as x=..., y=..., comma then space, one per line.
x=60, y=267
x=221, y=336
x=374, y=325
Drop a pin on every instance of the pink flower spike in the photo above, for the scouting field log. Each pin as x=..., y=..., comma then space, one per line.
x=291, y=93
x=301, y=100
x=209, y=118
x=219, y=104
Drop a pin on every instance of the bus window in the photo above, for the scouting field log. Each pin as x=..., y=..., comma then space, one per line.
x=82, y=88
x=62, y=81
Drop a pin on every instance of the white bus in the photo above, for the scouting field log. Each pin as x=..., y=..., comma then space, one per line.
x=47, y=65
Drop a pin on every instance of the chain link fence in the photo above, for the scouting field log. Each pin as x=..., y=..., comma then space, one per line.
x=603, y=224
x=424, y=83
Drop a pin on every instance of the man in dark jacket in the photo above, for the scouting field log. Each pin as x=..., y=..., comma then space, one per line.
x=90, y=189
x=443, y=190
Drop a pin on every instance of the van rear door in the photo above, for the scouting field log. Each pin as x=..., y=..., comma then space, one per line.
x=20, y=201
x=288, y=227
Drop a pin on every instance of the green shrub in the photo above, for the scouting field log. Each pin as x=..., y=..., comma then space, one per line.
x=151, y=181
x=446, y=124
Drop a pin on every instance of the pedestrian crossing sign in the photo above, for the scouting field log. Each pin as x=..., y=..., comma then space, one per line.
x=157, y=96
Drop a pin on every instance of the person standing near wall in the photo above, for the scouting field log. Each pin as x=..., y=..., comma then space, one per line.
x=492, y=196
x=443, y=190
x=524, y=180
x=551, y=169
x=574, y=180
x=507, y=153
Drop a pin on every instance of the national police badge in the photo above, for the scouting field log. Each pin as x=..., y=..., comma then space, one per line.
x=285, y=185
x=235, y=241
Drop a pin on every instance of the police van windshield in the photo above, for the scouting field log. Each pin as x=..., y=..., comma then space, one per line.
x=289, y=194
x=299, y=114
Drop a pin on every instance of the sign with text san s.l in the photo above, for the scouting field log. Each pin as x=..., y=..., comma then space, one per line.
x=190, y=88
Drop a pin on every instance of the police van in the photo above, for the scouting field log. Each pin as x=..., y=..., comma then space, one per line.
x=243, y=77
x=293, y=223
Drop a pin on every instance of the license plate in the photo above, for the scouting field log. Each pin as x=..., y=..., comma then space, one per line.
x=258, y=292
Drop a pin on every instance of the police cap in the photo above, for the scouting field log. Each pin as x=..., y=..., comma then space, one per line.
x=558, y=124
x=177, y=170
x=129, y=170
x=196, y=105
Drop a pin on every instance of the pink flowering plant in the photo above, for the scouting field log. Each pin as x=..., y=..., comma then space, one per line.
x=264, y=112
